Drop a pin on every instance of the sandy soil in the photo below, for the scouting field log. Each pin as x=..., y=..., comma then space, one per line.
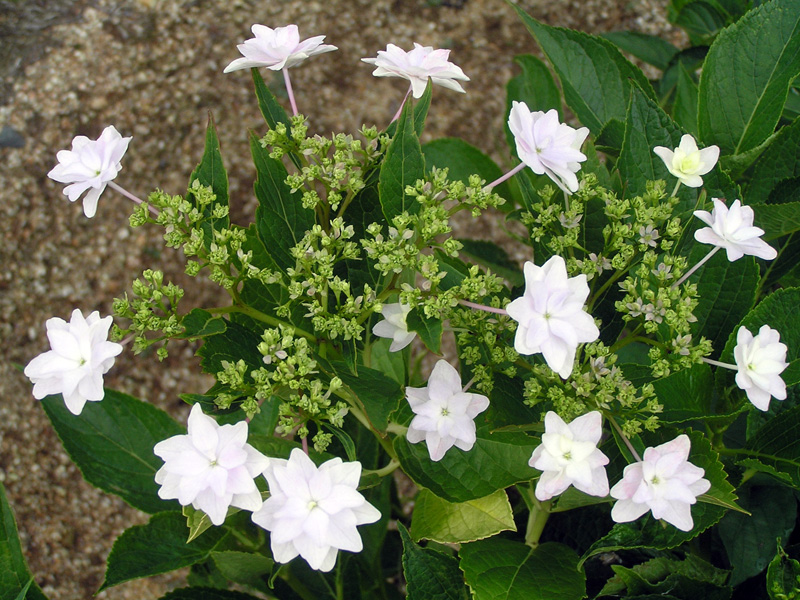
x=154, y=69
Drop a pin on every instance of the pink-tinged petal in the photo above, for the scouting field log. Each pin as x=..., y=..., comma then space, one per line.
x=551, y=484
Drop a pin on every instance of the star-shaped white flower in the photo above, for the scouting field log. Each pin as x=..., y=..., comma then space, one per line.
x=686, y=162
x=79, y=357
x=212, y=467
x=417, y=66
x=732, y=229
x=277, y=49
x=569, y=455
x=444, y=414
x=760, y=360
x=313, y=511
x=664, y=482
x=394, y=326
x=90, y=165
x=547, y=146
x=550, y=315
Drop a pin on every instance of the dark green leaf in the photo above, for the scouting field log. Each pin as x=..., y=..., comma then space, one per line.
x=430, y=575
x=493, y=257
x=377, y=393
x=281, y=219
x=271, y=109
x=421, y=107
x=157, y=547
x=403, y=166
x=783, y=577
x=684, y=108
x=702, y=20
x=650, y=48
x=596, y=78
x=777, y=220
x=201, y=323
x=429, y=330
x=211, y=173
x=505, y=406
x=462, y=160
x=535, y=87
x=16, y=582
x=112, y=444
x=344, y=439
x=234, y=344
x=203, y=593
x=749, y=539
x=777, y=444
x=686, y=395
x=497, y=461
x=508, y=570
x=246, y=568
x=746, y=77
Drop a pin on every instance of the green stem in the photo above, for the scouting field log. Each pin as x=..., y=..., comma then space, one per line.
x=384, y=471
x=537, y=519
x=259, y=316
x=675, y=191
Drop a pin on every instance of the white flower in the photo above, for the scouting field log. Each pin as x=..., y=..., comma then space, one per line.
x=732, y=229
x=90, y=164
x=547, y=146
x=394, y=326
x=79, y=357
x=569, y=455
x=686, y=162
x=417, y=66
x=551, y=316
x=211, y=468
x=277, y=49
x=760, y=361
x=445, y=415
x=665, y=482
x=313, y=511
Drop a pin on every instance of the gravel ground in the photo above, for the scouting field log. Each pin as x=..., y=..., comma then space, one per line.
x=153, y=68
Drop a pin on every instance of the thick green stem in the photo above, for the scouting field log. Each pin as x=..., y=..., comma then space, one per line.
x=537, y=519
x=384, y=471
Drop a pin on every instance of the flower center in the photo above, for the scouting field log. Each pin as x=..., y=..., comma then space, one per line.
x=82, y=361
x=690, y=162
x=655, y=480
x=568, y=455
x=312, y=504
x=445, y=412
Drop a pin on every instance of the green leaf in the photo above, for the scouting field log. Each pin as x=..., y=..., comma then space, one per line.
x=246, y=568
x=497, y=461
x=197, y=521
x=203, y=593
x=647, y=532
x=777, y=220
x=702, y=20
x=493, y=257
x=749, y=540
x=746, y=77
x=344, y=439
x=201, y=323
x=690, y=578
x=684, y=108
x=112, y=444
x=377, y=393
x=535, y=87
x=211, y=173
x=462, y=160
x=498, y=569
x=389, y=363
x=650, y=48
x=403, y=166
x=783, y=576
x=429, y=330
x=16, y=582
x=430, y=575
x=421, y=107
x=594, y=75
x=157, y=547
x=235, y=343
x=457, y=522
x=281, y=219
x=777, y=444
x=270, y=108
x=686, y=394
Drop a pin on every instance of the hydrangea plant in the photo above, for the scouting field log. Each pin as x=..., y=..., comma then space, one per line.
x=597, y=422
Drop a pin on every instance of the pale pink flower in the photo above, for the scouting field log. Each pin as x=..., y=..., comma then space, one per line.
x=550, y=315
x=444, y=413
x=417, y=66
x=568, y=455
x=277, y=49
x=212, y=467
x=548, y=146
x=664, y=482
x=732, y=229
x=760, y=361
x=90, y=165
x=686, y=162
x=313, y=511
x=79, y=357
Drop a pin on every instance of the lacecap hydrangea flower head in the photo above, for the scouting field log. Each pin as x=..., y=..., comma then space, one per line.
x=687, y=162
x=277, y=49
x=547, y=146
x=313, y=511
x=732, y=228
x=90, y=165
x=80, y=355
x=568, y=455
x=212, y=467
x=664, y=482
x=760, y=360
x=444, y=413
x=417, y=66
x=550, y=315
